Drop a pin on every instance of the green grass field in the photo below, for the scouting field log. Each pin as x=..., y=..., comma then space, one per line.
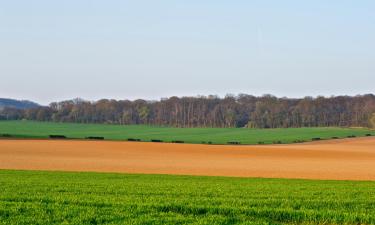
x=30, y=129
x=93, y=198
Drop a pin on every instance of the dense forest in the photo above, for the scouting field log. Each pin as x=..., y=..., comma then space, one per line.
x=211, y=111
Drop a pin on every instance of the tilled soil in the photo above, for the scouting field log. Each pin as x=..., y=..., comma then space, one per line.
x=349, y=159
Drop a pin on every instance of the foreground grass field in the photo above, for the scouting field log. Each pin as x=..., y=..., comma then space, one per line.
x=30, y=129
x=92, y=198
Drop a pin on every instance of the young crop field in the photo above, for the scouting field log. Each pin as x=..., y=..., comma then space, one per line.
x=31, y=129
x=30, y=197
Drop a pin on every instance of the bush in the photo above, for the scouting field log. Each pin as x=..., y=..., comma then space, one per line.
x=335, y=137
x=368, y=135
x=351, y=136
x=95, y=138
x=53, y=136
x=178, y=142
x=156, y=140
x=234, y=142
x=6, y=135
x=260, y=143
x=133, y=139
x=316, y=139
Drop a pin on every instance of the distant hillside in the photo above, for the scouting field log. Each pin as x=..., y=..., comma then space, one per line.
x=11, y=103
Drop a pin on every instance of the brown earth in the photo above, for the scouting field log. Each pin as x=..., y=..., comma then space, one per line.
x=350, y=159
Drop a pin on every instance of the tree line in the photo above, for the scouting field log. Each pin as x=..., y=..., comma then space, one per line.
x=211, y=111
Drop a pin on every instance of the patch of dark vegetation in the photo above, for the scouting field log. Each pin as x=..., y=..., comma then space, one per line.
x=335, y=137
x=156, y=140
x=54, y=136
x=277, y=109
x=134, y=139
x=95, y=138
x=210, y=142
x=234, y=142
x=5, y=135
x=368, y=135
x=351, y=136
x=277, y=142
x=298, y=141
x=260, y=143
x=178, y=142
x=316, y=139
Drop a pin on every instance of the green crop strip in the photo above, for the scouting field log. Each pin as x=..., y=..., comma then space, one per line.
x=31, y=129
x=29, y=197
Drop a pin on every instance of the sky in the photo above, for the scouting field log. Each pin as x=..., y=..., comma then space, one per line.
x=58, y=50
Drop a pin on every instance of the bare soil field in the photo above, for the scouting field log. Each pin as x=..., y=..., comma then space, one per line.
x=349, y=159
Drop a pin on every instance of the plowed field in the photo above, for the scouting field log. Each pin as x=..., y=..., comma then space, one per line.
x=349, y=159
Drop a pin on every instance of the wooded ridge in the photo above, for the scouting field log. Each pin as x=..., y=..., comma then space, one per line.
x=211, y=111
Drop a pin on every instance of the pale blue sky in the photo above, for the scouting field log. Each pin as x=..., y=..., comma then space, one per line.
x=55, y=50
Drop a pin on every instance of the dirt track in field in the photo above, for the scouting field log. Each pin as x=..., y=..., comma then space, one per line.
x=350, y=159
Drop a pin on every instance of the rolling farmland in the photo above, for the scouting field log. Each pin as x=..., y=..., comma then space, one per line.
x=93, y=198
x=31, y=129
x=187, y=112
x=332, y=190
x=348, y=159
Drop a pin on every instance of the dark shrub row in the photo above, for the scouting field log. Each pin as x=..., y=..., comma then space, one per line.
x=54, y=136
x=94, y=138
x=234, y=142
x=134, y=139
